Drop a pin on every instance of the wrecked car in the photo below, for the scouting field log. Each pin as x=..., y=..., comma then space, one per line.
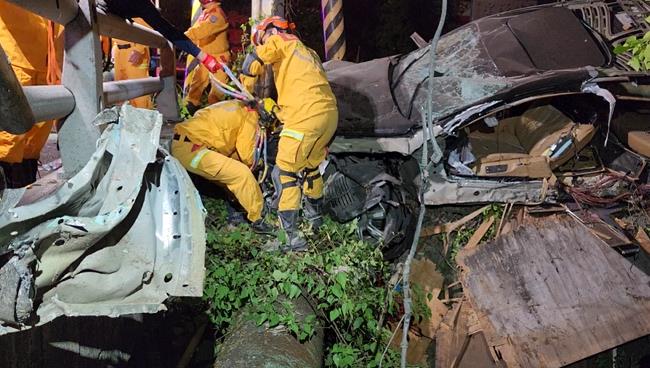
x=130, y=220
x=530, y=107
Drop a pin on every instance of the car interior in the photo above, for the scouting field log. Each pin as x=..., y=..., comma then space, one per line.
x=552, y=136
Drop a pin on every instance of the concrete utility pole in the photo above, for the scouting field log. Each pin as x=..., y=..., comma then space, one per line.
x=265, y=8
x=333, y=29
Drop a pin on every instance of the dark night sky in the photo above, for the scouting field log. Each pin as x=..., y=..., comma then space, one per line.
x=374, y=28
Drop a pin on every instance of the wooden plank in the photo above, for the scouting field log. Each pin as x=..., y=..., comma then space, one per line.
x=480, y=233
x=552, y=293
x=458, y=342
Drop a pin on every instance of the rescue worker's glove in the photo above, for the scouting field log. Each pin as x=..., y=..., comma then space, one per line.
x=252, y=65
x=211, y=63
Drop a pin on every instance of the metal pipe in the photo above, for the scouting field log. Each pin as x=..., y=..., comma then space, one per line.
x=333, y=29
x=123, y=90
x=59, y=11
x=116, y=27
x=49, y=102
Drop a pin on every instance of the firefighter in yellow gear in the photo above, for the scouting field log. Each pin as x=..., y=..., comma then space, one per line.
x=308, y=111
x=31, y=44
x=210, y=34
x=218, y=143
x=131, y=61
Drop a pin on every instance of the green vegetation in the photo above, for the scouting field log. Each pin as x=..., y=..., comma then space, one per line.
x=640, y=50
x=343, y=278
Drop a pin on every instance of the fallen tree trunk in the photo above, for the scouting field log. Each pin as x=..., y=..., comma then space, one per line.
x=249, y=345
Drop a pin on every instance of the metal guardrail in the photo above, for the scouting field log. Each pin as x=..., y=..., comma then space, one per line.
x=49, y=102
x=83, y=95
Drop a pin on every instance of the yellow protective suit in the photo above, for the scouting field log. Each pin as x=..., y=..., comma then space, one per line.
x=218, y=144
x=124, y=69
x=210, y=34
x=24, y=37
x=307, y=109
x=191, y=64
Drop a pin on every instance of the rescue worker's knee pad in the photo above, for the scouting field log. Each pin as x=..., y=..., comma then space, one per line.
x=288, y=189
x=313, y=185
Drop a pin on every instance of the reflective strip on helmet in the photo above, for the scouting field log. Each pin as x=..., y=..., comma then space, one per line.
x=199, y=156
x=292, y=134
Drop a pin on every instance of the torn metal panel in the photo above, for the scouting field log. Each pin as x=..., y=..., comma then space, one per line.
x=551, y=293
x=443, y=189
x=119, y=237
x=404, y=145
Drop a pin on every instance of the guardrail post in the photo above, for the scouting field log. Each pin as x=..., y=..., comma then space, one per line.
x=82, y=75
x=15, y=113
x=167, y=99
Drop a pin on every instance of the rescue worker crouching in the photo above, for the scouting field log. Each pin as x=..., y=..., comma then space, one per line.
x=210, y=34
x=308, y=110
x=218, y=144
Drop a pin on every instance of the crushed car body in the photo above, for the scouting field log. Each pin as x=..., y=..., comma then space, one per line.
x=119, y=237
x=525, y=103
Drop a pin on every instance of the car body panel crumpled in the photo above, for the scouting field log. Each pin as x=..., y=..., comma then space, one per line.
x=119, y=237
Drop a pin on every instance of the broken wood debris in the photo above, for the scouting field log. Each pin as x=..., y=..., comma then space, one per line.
x=452, y=226
x=552, y=293
x=460, y=342
x=480, y=232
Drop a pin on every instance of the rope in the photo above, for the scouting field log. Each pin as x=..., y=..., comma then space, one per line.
x=424, y=165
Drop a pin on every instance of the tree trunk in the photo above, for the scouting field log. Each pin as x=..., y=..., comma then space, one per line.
x=251, y=346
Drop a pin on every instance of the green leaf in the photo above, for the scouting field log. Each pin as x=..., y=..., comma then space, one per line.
x=620, y=49
x=346, y=308
x=278, y=275
x=342, y=279
x=635, y=63
x=294, y=291
x=647, y=19
x=631, y=41
x=357, y=323
x=337, y=291
x=334, y=314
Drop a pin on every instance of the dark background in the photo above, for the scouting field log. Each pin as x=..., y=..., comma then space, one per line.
x=374, y=28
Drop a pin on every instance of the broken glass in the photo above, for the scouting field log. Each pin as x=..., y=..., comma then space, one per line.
x=464, y=75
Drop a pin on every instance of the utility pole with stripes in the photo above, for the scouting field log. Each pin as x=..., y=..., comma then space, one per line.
x=333, y=29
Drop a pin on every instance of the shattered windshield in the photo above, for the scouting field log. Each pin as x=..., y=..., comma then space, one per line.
x=464, y=75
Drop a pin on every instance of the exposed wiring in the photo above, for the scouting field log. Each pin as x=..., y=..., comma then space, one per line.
x=424, y=168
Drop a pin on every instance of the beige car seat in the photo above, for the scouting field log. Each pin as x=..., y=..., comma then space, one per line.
x=526, y=146
x=633, y=129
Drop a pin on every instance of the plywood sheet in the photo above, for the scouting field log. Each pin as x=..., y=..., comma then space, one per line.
x=552, y=293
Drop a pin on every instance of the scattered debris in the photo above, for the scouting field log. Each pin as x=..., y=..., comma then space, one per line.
x=551, y=293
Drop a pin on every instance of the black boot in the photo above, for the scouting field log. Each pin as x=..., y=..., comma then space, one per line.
x=262, y=227
x=313, y=212
x=294, y=242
